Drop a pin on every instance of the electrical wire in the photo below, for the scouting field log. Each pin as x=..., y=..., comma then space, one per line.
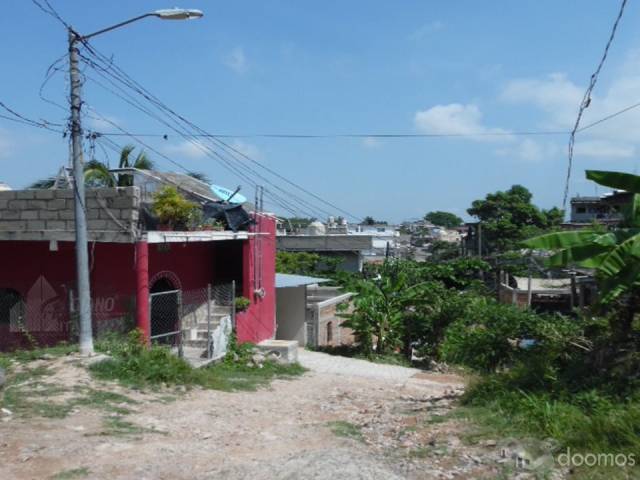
x=187, y=135
x=19, y=118
x=586, y=101
x=122, y=77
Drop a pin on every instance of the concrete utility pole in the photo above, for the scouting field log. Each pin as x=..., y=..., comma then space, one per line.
x=82, y=251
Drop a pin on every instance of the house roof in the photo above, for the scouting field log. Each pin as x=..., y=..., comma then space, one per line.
x=285, y=280
x=559, y=284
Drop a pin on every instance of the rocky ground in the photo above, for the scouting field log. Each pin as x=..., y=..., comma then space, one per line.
x=321, y=425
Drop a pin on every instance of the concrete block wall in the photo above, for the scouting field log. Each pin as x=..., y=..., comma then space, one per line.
x=112, y=214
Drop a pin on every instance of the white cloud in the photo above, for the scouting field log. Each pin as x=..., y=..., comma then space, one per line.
x=247, y=149
x=186, y=149
x=558, y=98
x=236, y=60
x=6, y=145
x=427, y=29
x=104, y=123
x=457, y=119
x=604, y=148
x=371, y=142
x=530, y=150
x=554, y=94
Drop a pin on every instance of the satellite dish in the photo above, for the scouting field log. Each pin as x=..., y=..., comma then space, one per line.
x=224, y=194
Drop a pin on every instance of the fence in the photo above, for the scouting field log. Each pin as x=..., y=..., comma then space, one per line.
x=47, y=314
x=207, y=318
x=166, y=318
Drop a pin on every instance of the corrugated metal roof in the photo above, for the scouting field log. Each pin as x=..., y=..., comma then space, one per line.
x=284, y=280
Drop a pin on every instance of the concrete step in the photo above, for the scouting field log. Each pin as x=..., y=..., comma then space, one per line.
x=196, y=344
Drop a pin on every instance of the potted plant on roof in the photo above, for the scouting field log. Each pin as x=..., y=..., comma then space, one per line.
x=211, y=225
x=173, y=210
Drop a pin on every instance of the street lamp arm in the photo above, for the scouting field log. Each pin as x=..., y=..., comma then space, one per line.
x=113, y=27
x=166, y=14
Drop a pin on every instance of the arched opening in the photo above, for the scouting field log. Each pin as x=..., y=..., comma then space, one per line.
x=165, y=308
x=162, y=285
x=11, y=308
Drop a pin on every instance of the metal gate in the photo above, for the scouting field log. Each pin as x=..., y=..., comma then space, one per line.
x=166, y=318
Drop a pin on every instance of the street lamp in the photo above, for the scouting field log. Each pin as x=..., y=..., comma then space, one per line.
x=82, y=256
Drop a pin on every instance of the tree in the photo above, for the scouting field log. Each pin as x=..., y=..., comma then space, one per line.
x=97, y=174
x=509, y=217
x=293, y=224
x=142, y=162
x=369, y=220
x=614, y=254
x=443, y=219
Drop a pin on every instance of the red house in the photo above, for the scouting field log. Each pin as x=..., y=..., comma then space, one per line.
x=178, y=286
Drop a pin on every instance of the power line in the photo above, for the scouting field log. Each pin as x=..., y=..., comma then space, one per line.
x=586, y=101
x=19, y=118
x=127, y=81
x=609, y=117
x=362, y=135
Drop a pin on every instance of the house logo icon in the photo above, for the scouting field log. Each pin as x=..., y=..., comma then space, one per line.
x=532, y=456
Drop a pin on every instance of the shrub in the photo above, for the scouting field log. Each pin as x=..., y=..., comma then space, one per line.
x=173, y=209
x=242, y=304
x=492, y=335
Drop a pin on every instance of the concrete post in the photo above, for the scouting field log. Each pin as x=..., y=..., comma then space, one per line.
x=142, y=288
x=82, y=254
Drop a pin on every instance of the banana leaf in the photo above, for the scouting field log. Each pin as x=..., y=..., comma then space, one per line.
x=619, y=180
x=557, y=240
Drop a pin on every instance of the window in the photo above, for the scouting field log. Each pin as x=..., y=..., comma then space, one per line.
x=581, y=210
x=330, y=332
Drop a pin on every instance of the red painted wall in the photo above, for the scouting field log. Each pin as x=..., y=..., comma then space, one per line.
x=257, y=323
x=44, y=278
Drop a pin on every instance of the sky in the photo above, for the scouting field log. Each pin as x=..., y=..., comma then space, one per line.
x=344, y=67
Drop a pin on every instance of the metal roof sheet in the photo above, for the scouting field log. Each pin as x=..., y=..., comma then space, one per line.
x=284, y=280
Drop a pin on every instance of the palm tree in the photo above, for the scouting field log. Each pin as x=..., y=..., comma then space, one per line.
x=142, y=162
x=97, y=174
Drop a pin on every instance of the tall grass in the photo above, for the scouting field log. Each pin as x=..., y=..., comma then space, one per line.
x=135, y=365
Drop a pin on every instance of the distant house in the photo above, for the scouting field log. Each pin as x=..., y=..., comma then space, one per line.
x=605, y=208
x=171, y=284
x=547, y=294
x=308, y=312
x=351, y=249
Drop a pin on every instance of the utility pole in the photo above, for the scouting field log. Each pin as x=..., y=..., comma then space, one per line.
x=82, y=252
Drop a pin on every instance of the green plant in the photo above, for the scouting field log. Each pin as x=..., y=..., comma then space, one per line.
x=443, y=219
x=507, y=217
x=615, y=254
x=211, y=224
x=490, y=335
x=172, y=208
x=345, y=429
x=242, y=303
x=135, y=364
x=71, y=474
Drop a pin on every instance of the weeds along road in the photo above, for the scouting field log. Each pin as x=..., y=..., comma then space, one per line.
x=341, y=421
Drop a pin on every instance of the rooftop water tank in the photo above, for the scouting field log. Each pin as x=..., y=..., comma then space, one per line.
x=316, y=228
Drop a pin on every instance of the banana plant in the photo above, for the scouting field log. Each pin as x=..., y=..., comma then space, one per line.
x=614, y=253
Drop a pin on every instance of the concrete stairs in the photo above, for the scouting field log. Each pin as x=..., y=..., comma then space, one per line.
x=195, y=335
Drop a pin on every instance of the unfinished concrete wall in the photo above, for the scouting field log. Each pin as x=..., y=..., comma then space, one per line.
x=291, y=314
x=324, y=315
x=112, y=214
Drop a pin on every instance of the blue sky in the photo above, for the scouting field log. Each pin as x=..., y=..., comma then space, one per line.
x=357, y=66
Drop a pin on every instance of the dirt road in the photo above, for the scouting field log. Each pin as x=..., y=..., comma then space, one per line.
x=344, y=424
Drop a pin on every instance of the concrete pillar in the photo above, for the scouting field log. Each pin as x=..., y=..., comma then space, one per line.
x=142, y=288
